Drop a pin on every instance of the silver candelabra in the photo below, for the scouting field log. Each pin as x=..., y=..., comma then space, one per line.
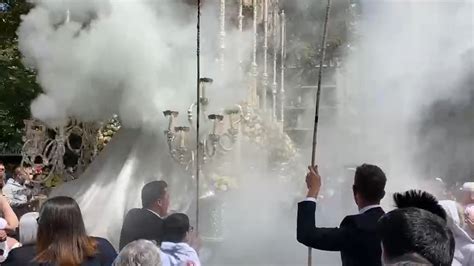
x=263, y=93
x=222, y=34
x=282, y=67
x=221, y=137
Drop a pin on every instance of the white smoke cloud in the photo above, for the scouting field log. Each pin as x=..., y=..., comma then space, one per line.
x=410, y=54
x=132, y=58
x=137, y=58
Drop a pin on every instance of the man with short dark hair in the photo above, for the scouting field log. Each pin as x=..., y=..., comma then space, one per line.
x=413, y=236
x=419, y=199
x=356, y=238
x=147, y=222
x=175, y=246
x=422, y=235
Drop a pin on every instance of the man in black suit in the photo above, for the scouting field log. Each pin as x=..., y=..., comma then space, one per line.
x=356, y=238
x=147, y=222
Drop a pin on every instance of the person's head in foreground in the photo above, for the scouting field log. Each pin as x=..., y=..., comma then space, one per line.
x=413, y=236
x=420, y=199
x=369, y=185
x=155, y=197
x=139, y=253
x=175, y=246
x=62, y=238
x=176, y=228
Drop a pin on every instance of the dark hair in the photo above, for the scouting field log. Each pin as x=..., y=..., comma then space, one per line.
x=152, y=192
x=175, y=227
x=419, y=199
x=62, y=238
x=369, y=182
x=413, y=230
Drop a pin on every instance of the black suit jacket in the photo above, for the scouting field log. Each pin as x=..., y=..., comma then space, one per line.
x=356, y=237
x=141, y=224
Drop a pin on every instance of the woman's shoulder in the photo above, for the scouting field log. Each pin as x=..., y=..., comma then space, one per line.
x=101, y=240
x=106, y=252
x=103, y=243
x=25, y=249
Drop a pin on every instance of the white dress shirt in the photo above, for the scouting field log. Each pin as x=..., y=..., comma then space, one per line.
x=310, y=199
x=366, y=208
x=155, y=213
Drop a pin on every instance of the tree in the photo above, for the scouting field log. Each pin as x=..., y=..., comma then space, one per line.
x=18, y=85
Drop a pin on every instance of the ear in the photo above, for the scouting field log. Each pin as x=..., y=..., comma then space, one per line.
x=383, y=194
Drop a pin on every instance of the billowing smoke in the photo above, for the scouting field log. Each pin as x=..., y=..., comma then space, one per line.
x=410, y=54
x=136, y=58
x=447, y=132
x=131, y=58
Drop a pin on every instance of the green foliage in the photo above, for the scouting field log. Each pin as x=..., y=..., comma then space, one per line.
x=305, y=27
x=18, y=85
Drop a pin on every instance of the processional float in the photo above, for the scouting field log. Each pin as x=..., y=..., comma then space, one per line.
x=226, y=128
x=47, y=148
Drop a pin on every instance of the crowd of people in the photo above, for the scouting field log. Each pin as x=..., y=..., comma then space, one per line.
x=20, y=188
x=420, y=231
x=56, y=235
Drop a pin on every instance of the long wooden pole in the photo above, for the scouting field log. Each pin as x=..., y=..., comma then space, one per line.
x=318, y=97
x=198, y=101
x=282, y=67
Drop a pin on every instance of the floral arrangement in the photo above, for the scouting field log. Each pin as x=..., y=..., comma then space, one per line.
x=268, y=135
x=223, y=183
x=107, y=131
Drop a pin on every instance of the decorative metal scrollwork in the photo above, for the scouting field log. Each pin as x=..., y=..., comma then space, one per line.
x=63, y=151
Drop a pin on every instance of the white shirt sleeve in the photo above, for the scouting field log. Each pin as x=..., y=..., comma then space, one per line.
x=6, y=250
x=310, y=199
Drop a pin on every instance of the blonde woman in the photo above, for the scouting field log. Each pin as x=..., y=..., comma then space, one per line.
x=139, y=253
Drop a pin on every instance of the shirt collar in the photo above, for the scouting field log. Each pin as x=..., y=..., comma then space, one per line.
x=155, y=213
x=366, y=208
